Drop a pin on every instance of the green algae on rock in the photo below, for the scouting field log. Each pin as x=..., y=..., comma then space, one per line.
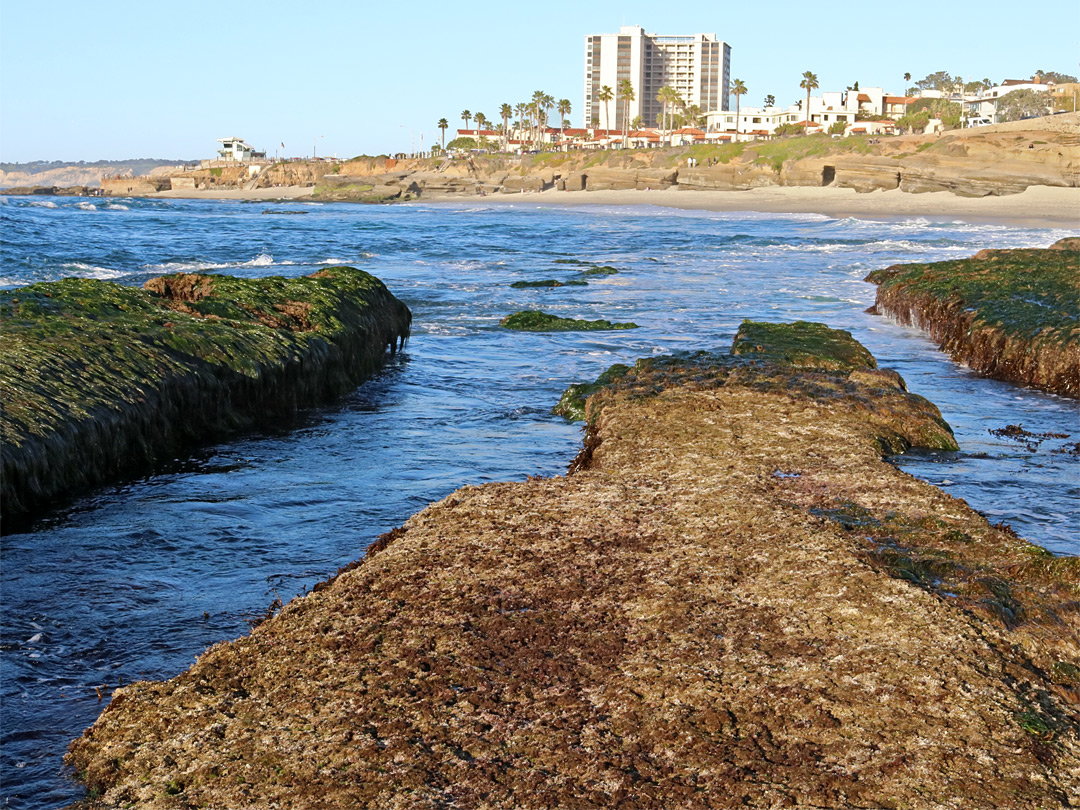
x=804, y=359
x=731, y=601
x=548, y=282
x=803, y=344
x=572, y=403
x=1010, y=314
x=601, y=270
x=533, y=320
x=100, y=380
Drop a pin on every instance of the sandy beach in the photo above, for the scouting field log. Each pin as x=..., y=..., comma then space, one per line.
x=1037, y=207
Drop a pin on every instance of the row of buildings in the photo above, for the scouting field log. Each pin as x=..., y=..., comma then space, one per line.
x=698, y=67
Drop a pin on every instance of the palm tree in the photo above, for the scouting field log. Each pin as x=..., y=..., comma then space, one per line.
x=907, y=78
x=506, y=111
x=443, y=124
x=481, y=122
x=466, y=116
x=770, y=101
x=522, y=109
x=626, y=90
x=564, y=109
x=667, y=96
x=535, y=108
x=738, y=88
x=547, y=103
x=605, y=95
x=809, y=82
x=693, y=115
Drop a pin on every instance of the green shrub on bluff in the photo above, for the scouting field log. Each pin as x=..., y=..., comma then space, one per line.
x=99, y=380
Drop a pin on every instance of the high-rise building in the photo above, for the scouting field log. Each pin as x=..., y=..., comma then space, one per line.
x=697, y=66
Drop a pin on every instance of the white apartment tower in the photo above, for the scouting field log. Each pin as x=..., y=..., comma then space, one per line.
x=697, y=66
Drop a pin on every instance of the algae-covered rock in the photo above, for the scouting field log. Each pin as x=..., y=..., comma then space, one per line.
x=803, y=344
x=533, y=320
x=802, y=359
x=548, y=283
x=732, y=601
x=572, y=403
x=101, y=380
x=1009, y=314
x=599, y=270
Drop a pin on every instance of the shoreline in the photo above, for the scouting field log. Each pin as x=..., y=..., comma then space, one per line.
x=1036, y=207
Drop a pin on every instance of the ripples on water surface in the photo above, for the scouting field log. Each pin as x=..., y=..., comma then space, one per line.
x=138, y=579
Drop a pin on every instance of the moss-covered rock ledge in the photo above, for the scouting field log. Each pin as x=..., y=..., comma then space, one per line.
x=733, y=601
x=1010, y=314
x=101, y=380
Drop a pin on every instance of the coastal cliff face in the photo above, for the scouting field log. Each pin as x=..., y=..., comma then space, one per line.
x=970, y=163
x=100, y=380
x=1009, y=314
x=731, y=601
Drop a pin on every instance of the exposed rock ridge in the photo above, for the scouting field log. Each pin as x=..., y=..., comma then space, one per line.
x=100, y=381
x=733, y=602
x=1010, y=314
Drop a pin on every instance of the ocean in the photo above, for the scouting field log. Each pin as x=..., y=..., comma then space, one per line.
x=136, y=579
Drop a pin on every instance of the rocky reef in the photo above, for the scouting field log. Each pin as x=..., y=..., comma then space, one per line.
x=1009, y=314
x=533, y=320
x=731, y=600
x=101, y=380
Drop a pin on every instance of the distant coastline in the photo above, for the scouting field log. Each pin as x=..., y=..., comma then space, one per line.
x=1036, y=207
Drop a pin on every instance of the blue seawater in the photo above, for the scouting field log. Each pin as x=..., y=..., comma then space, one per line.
x=135, y=580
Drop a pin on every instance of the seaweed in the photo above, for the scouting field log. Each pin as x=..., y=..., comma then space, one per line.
x=101, y=380
x=533, y=320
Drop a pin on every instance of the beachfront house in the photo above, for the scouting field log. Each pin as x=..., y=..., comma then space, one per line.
x=984, y=104
x=236, y=150
x=826, y=110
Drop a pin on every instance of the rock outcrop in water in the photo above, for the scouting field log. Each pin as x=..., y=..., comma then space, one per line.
x=100, y=380
x=1009, y=314
x=533, y=320
x=732, y=600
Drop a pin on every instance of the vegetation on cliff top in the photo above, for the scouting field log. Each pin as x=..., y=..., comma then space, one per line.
x=533, y=320
x=98, y=378
x=1013, y=314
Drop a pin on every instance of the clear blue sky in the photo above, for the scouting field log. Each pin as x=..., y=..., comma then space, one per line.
x=115, y=79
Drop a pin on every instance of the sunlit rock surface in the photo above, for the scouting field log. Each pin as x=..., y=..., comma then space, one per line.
x=731, y=600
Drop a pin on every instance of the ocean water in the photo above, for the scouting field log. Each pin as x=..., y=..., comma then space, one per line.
x=135, y=580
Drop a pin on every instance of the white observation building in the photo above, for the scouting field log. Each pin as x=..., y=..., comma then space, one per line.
x=697, y=66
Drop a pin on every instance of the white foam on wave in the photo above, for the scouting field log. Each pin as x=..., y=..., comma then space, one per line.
x=86, y=206
x=262, y=260
x=43, y=204
x=117, y=207
x=84, y=270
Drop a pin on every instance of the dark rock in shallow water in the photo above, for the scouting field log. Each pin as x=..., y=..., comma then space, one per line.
x=101, y=380
x=532, y=320
x=548, y=282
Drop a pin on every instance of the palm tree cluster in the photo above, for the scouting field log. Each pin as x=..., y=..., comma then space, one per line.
x=532, y=117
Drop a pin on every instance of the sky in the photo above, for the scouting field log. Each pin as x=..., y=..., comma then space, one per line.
x=112, y=79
